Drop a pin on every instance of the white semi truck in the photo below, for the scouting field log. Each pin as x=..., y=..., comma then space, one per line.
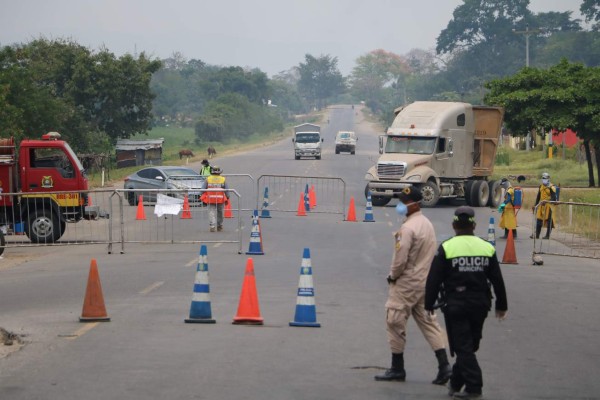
x=307, y=141
x=446, y=149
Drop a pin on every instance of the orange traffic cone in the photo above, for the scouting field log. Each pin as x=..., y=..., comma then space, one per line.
x=93, y=303
x=301, y=207
x=140, y=210
x=351, y=211
x=186, y=213
x=312, y=197
x=510, y=256
x=228, y=213
x=248, y=312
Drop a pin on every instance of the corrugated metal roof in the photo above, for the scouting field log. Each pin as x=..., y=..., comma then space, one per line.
x=128, y=144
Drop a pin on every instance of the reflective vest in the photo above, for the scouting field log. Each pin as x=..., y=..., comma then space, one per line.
x=205, y=171
x=214, y=197
x=468, y=258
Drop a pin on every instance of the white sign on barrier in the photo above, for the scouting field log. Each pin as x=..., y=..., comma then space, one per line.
x=167, y=205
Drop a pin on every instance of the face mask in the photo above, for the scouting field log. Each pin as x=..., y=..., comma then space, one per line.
x=401, y=209
x=545, y=182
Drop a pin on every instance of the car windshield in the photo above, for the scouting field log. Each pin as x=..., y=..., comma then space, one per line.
x=345, y=136
x=410, y=145
x=307, y=137
x=182, y=173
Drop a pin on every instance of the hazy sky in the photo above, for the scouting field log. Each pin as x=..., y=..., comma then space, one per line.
x=273, y=35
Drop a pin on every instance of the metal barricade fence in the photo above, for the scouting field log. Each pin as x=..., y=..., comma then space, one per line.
x=116, y=219
x=243, y=184
x=576, y=231
x=285, y=193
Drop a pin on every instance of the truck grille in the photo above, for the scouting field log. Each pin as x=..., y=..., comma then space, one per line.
x=391, y=169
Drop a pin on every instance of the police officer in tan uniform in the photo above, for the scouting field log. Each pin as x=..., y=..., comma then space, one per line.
x=415, y=246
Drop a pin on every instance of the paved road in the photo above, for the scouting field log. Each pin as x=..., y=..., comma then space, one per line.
x=546, y=349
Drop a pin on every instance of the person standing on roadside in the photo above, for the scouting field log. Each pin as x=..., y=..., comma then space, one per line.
x=462, y=270
x=508, y=217
x=205, y=168
x=414, y=247
x=215, y=198
x=543, y=215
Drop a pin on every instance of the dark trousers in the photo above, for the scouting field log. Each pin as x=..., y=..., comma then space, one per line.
x=465, y=327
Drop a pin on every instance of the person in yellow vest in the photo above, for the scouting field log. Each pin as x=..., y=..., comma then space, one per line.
x=543, y=215
x=508, y=219
x=215, y=197
x=205, y=169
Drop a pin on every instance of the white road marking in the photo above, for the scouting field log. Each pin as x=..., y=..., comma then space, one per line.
x=151, y=287
x=79, y=332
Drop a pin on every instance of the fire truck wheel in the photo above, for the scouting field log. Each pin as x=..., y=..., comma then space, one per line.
x=43, y=226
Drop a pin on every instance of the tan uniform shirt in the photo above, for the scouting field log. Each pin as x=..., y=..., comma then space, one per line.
x=415, y=247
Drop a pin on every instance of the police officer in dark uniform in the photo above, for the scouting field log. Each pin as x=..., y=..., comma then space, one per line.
x=462, y=270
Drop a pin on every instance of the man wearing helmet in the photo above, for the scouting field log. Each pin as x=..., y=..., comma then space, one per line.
x=508, y=218
x=546, y=192
x=215, y=196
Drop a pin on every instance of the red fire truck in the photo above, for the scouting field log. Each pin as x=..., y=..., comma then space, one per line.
x=34, y=172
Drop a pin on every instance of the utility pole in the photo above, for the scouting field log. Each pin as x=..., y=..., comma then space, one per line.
x=527, y=33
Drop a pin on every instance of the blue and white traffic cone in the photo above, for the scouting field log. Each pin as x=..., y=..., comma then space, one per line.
x=200, y=311
x=264, y=212
x=306, y=312
x=369, y=209
x=255, y=237
x=306, y=199
x=491, y=232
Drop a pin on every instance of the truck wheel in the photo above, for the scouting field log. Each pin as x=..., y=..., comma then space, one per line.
x=480, y=193
x=430, y=193
x=297, y=157
x=2, y=242
x=337, y=151
x=377, y=201
x=43, y=227
x=468, y=187
x=353, y=152
x=495, y=194
x=318, y=157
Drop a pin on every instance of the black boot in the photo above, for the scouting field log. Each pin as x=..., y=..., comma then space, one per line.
x=396, y=373
x=444, y=369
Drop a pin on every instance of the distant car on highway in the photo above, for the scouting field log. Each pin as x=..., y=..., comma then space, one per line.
x=345, y=141
x=164, y=177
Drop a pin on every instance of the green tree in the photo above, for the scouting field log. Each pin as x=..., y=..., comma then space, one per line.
x=565, y=96
x=90, y=98
x=320, y=79
x=376, y=70
x=591, y=11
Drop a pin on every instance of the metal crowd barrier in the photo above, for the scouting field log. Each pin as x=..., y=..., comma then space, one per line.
x=576, y=231
x=285, y=192
x=117, y=219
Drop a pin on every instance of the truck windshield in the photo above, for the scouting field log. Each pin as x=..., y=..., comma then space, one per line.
x=73, y=156
x=410, y=144
x=307, y=138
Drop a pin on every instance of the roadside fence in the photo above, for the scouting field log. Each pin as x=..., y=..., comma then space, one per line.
x=576, y=231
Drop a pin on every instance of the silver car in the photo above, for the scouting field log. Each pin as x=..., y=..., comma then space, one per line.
x=164, y=177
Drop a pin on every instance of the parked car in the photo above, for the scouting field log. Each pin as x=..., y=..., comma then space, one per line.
x=164, y=177
x=345, y=141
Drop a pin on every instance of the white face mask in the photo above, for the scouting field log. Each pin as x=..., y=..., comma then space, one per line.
x=545, y=182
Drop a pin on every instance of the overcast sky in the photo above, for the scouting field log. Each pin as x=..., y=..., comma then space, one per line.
x=273, y=35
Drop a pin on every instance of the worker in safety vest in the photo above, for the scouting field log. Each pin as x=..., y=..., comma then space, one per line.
x=215, y=197
x=205, y=169
x=544, y=214
x=508, y=217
